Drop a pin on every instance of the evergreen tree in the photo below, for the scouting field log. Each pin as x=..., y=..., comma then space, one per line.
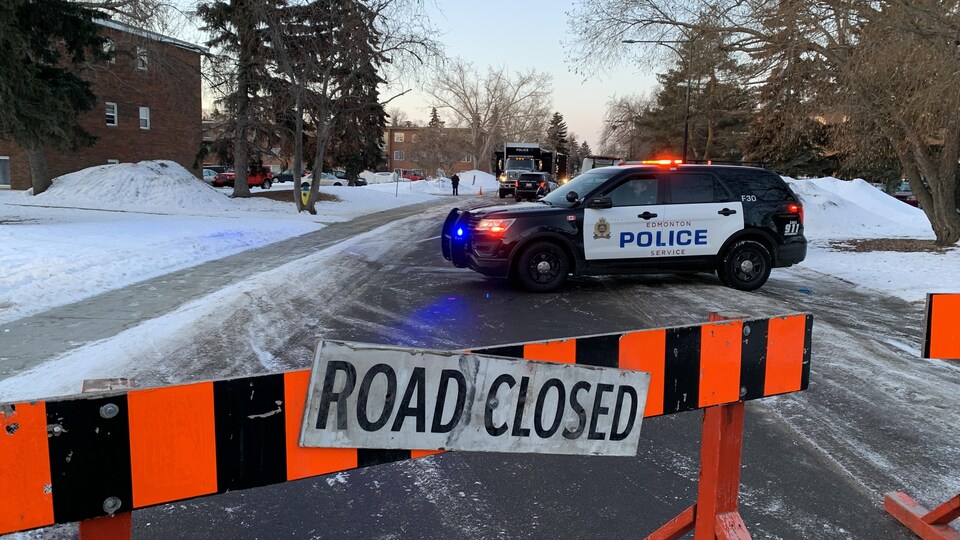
x=358, y=131
x=793, y=144
x=43, y=46
x=239, y=29
x=719, y=110
x=435, y=121
x=557, y=134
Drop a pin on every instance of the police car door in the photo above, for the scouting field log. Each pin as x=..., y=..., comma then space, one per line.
x=622, y=232
x=700, y=215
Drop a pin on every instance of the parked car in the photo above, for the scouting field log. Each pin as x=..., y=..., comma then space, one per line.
x=532, y=186
x=215, y=168
x=284, y=176
x=258, y=176
x=209, y=175
x=411, y=175
x=907, y=197
x=325, y=179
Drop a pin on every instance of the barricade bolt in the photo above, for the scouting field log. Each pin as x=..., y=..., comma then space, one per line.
x=109, y=410
x=493, y=403
x=111, y=505
x=746, y=330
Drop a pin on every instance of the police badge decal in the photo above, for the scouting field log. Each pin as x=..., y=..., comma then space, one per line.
x=601, y=229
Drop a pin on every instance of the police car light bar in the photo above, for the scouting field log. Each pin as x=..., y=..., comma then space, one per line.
x=662, y=162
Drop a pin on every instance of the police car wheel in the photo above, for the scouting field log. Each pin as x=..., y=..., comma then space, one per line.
x=746, y=266
x=542, y=267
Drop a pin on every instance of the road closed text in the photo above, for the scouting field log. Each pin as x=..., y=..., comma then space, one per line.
x=365, y=396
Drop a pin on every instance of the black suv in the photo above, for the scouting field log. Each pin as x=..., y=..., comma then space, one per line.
x=531, y=186
x=737, y=221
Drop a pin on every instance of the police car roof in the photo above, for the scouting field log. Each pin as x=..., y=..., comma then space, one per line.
x=675, y=166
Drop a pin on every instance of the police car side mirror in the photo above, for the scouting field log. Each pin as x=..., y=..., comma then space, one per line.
x=601, y=202
x=572, y=196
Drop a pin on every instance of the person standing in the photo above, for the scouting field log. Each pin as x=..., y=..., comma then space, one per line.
x=455, y=181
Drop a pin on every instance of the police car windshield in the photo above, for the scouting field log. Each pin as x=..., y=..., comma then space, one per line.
x=582, y=185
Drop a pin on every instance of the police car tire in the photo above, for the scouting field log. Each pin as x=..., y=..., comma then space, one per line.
x=532, y=257
x=733, y=270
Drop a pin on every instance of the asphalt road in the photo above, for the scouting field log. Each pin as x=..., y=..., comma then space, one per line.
x=815, y=463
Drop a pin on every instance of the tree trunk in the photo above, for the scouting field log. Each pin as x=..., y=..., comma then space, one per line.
x=240, y=143
x=323, y=137
x=39, y=174
x=298, y=153
x=937, y=201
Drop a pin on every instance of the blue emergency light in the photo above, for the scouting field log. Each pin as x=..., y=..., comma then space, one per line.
x=459, y=231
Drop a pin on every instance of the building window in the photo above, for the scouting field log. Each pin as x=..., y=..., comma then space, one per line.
x=110, y=49
x=141, y=58
x=398, y=137
x=144, y=117
x=113, y=162
x=4, y=171
x=111, y=114
x=467, y=158
x=398, y=155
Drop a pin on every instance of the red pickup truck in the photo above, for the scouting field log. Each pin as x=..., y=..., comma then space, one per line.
x=258, y=176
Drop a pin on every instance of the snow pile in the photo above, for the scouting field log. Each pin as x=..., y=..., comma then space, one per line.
x=149, y=186
x=840, y=209
x=471, y=182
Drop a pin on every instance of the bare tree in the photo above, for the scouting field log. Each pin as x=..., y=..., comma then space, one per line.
x=622, y=134
x=495, y=107
x=406, y=43
x=397, y=116
x=907, y=89
x=439, y=147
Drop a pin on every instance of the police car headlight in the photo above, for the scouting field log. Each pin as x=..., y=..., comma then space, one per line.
x=496, y=226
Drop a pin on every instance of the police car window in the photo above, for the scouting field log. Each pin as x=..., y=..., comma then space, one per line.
x=696, y=188
x=765, y=185
x=635, y=192
x=582, y=185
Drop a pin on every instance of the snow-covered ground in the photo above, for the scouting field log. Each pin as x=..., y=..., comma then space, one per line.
x=109, y=226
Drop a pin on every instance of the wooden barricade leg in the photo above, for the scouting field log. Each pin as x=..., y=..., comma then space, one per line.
x=118, y=526
x=715, y=514
x=927, y=524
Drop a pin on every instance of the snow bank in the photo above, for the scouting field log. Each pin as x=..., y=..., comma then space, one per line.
x=840, y=209
x=149, y=186
x=471, y=183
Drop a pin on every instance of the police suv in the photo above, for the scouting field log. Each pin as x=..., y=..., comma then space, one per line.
x=738, y=221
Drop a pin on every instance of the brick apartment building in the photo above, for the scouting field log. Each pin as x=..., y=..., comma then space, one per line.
x=400, y=142
x=148, y=107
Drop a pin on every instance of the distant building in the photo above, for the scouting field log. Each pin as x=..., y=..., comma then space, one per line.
x=148, y=107
x=402, y=152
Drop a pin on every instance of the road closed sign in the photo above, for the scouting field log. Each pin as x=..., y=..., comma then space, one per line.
x=371, y=396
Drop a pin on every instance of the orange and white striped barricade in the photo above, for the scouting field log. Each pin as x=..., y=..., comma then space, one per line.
x=714, y=367
x=143, y=447
x=941, y=340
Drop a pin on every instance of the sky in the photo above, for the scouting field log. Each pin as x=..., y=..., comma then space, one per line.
x=520, y=35
x=524, y=34
x=113, y=225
